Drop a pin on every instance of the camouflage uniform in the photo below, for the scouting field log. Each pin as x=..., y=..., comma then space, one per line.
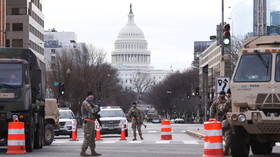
x=137, y=120
x=218, y=110
x=88, y=114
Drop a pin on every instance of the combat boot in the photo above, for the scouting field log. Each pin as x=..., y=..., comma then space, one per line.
x=141, y=138
x=95, y=154
x=84, y=154
x=134, y=139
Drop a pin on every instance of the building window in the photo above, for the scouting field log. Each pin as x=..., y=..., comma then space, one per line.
x=17, y=26
x=8, y=44
x=15, y=11
x=17, y=43
x=53, y=51
x=7, y=27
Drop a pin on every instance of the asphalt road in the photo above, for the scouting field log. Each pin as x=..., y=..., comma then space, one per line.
x=182, y=145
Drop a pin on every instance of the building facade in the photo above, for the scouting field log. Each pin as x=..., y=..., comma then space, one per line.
x=211, y=66
x=260, y=17
x=55, y=43
x=25, y=25
x=132, y=58
x=2, y=22
x=199, y=47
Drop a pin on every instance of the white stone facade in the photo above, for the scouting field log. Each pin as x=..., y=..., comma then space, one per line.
x=131, y=56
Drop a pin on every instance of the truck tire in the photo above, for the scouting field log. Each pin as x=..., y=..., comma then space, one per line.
x=261, y=148
x=38, y=134
x=29, y=140
x=49, y=134
x=239, y=142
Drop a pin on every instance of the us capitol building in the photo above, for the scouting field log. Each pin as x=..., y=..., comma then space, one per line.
x=132, y=58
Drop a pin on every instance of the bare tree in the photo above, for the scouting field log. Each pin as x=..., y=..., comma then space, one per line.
x=141, y=83
x=236, y=46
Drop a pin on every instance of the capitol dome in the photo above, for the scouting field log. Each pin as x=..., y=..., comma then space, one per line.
x=131, y=48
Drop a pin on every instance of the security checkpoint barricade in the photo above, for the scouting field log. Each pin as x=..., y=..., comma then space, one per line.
x=166, y=130
x=16, y=138
x=213, y=140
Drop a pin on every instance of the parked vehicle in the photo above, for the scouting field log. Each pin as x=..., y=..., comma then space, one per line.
x=156, y=120
x=51, y=119
x=112, y=119
x=179, y=120
x=66, y=122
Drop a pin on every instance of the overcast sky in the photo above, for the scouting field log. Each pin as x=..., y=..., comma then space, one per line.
x=170, y=26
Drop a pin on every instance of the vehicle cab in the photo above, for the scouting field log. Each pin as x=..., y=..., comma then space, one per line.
x=112, y=119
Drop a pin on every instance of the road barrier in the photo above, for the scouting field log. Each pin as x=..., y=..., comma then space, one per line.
x=16, y=138
x=74, y=132
x=97, y=130
x=123, y=136
x=166, y=130
x=213, y=140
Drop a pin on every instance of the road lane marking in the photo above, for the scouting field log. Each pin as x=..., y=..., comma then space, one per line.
x=133, y=142
x=278, y=144
x=107, y=142
x=163, y=142
x=190, y=142
x=152, y=131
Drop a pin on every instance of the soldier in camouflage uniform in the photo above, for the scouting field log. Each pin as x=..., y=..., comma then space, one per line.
x=137, y=120
x=218, y=110
x=89, y=111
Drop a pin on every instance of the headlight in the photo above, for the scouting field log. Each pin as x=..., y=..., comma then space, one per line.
x=241, y=118
x=122, y=122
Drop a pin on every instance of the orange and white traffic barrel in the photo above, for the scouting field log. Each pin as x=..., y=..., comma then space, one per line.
x=213, y=140
x=166, y=130
x=16, y=138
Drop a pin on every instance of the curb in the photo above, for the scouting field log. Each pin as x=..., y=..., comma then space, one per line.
x=195, y=134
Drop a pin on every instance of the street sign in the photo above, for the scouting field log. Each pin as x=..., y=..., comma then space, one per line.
x=56, y=83
x=222, y=84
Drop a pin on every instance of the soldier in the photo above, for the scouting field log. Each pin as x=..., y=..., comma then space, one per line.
x=218, y=110
x=227, y=128
x=89, y=111
x=137, y=120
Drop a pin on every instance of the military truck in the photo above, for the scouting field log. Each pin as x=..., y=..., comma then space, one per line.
x=22, y=84
x=255, y=86
x=51, y=119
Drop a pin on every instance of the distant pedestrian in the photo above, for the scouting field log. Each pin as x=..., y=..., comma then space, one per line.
x=137, y=118
x=89, y=112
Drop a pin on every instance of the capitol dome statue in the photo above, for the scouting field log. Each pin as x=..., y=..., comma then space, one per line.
x=131, y=48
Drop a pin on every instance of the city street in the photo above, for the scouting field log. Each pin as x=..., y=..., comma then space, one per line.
x=182, y=145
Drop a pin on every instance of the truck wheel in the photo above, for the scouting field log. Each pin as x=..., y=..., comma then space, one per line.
x=49, y=134
x=261, y=148
x=29, y=141
x=38, y=134
x=239, y=142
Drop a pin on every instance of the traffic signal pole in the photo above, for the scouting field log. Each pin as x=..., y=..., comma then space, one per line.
x=222, y=43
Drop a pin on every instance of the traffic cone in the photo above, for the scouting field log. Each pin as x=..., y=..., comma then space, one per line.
x=97, y=134
x=213, y=141
x=166, y=130
x=74, y=133
x=123, y=137
x=16, y=138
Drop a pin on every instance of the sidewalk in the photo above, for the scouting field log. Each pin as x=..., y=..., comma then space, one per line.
x=196, y=132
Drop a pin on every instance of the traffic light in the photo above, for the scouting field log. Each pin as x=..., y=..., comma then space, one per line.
x=226, y=35
x=61, y=88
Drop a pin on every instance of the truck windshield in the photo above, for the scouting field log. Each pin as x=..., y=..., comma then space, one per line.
x=11, y=74
x=112, y=113
x=254, y=68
